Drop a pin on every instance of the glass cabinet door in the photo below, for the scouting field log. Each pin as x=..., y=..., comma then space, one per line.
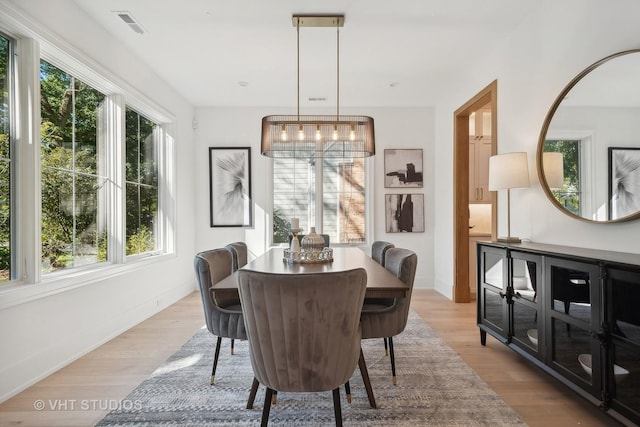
x=574, y=318
x=526, y=320
x=492, y=285
x=622, y=373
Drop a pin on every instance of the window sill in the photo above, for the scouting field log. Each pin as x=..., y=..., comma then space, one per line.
x=21, y=293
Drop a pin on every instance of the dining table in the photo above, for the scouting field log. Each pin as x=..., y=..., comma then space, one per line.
x=381, y=283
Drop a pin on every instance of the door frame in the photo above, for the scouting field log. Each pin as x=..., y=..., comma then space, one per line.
x=488, y=95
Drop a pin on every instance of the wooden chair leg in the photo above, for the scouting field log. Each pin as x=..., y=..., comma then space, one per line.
x=393, y=361
x=215, y=360
x=232, y=340
x=274, y=397
x=365, y=378
x=347, y=391
x=252, y=393
x=337, y=409
x=267, y=407
x=386, y=348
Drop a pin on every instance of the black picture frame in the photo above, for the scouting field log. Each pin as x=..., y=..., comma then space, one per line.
x=624, y=182
x=404, y=213
x=230, y=187
x=403, y=168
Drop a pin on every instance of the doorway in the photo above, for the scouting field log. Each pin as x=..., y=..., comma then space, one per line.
x=487, y=98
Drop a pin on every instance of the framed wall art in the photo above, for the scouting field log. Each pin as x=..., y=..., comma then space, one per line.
x=403, y=168
x=404, y=213
x=624, y=181
x=230, y=186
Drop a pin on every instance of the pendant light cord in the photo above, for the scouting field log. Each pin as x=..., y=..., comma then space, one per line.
x=337, y=69
x=298, y=55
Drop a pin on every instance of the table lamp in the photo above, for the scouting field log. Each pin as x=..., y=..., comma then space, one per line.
x=507, y=171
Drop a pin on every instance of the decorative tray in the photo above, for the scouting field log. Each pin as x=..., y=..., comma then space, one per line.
x=306, y=256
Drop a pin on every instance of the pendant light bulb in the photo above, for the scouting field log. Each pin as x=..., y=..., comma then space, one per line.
x=318, y=133
x=335, y=132
x=300, y=133
x=283, y=133
x=352, y=133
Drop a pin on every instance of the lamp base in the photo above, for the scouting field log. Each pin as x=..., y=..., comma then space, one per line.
x=509, y=239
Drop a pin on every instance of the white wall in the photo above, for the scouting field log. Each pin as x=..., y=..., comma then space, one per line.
x=40, y=336
x=532, y=67
x=394, y=127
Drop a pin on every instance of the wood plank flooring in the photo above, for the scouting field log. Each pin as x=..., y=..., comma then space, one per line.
x=83, y=392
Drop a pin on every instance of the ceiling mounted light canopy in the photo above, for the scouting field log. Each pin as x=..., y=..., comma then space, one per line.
x=298, y=136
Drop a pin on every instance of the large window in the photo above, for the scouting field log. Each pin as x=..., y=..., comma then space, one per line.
x=326, y=193
x=142, y=183
x=5, y=160
x=71, y=156
x=83, y=193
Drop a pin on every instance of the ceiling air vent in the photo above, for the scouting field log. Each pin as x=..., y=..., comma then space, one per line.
x=129, y=20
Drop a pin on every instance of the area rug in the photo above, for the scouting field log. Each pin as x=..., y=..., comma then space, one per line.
x=435, y=388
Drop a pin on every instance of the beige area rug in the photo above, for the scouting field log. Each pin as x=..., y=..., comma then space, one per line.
x=435, y=388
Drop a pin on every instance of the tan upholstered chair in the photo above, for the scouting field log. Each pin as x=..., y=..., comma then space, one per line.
x=303, y=330
x=239, y=252
x=224, y=319
x=379, y=250
x=387, y=320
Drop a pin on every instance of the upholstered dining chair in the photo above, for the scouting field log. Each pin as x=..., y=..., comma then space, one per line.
x=379, y=249
x=303, y=331
x=383, y=320
x=239, y=255
x=223, y=318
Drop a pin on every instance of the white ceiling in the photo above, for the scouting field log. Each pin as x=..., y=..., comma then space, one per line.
x=391, y=53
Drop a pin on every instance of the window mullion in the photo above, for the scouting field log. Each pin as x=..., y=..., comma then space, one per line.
x=28, y=196
x=115, y=160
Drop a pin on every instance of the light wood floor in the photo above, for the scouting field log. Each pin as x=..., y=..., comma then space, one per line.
x=81, y=393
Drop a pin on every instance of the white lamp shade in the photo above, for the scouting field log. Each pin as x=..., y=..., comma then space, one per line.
x=509, y=170
x=553, y=169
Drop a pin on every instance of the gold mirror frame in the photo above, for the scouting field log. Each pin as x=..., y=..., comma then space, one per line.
x=543, y=133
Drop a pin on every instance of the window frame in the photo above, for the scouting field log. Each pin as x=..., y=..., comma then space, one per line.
x=369, y=173
x=27, y=282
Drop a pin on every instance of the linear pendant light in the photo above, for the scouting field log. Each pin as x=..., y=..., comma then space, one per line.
x=298, y=136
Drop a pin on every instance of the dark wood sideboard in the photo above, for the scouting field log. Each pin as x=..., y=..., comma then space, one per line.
x=573, y=312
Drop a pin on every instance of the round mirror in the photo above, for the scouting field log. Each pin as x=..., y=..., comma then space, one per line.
x=588, y=156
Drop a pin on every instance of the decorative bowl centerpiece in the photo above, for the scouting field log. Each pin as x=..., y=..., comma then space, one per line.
x=306, y=256
x=533, y=336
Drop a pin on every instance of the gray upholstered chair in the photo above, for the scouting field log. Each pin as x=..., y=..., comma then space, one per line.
x=303, y=331
x=240, y=254
x=223, y=319
x=379, y=250
x=387, y=320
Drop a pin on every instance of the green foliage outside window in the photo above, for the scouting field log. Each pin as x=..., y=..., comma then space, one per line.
x=569, y=195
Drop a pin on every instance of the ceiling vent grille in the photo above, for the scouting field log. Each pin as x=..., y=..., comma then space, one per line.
x=130, y=21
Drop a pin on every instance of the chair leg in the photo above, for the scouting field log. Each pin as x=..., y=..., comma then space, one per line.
x=266, y=408
x=274, y=398
x=393, y=361
x=337, y=409
x=252, y=393
x=365, y=378
x=232, y=340
x=386, y=349
x=347, y=391
x=215, y=360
